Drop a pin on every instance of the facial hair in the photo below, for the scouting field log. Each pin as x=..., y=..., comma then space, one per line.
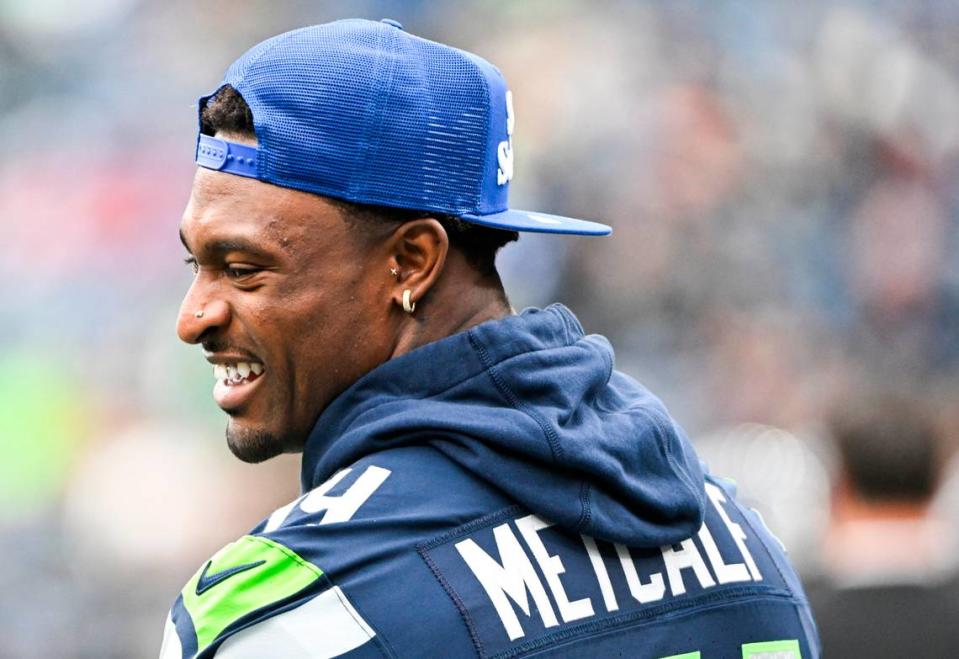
x=252, y=445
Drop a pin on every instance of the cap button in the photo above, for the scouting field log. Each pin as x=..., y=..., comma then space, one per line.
x=390, y=21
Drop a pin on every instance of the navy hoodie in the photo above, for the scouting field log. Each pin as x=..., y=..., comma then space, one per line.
x=501, y=492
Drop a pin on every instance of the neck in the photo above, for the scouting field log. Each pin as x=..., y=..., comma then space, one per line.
x=460, y=300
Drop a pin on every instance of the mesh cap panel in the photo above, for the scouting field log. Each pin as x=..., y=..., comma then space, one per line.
x=366, y=112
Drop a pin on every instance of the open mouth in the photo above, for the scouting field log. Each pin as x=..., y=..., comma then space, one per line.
x=235, y=383
x=236, y=374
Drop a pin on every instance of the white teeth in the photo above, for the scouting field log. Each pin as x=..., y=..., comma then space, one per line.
x=236, y=374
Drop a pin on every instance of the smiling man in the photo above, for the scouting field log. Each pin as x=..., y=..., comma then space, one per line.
x=281, y=301
x=475, y=482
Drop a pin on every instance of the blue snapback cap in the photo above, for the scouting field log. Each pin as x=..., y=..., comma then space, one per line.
x=363, y=111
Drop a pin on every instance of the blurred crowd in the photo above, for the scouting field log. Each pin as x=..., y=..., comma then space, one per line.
x=783, y=183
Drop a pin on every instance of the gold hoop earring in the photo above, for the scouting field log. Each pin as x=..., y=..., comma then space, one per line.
x=408, y=305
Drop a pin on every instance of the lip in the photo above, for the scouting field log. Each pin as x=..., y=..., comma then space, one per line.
x=232, y=397
x=231, y=358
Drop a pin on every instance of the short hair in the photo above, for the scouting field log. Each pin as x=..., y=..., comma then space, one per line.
x=889, y=446
x=228, y=112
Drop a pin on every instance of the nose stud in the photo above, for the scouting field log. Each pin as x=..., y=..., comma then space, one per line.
x=198, y=314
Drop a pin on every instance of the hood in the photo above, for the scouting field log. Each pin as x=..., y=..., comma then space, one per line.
x=534, y=407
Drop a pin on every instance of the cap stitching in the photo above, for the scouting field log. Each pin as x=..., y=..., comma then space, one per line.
x=486, y=135
x=369, y=146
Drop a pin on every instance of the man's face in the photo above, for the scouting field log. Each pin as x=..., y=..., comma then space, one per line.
x=293, y=309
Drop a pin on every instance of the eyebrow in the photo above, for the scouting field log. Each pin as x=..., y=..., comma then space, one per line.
x=225, y=246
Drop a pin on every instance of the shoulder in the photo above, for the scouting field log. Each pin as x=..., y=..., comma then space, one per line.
x=318, y=572
x=400, y=495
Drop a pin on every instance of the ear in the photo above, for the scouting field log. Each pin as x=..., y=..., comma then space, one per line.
x=418, y=251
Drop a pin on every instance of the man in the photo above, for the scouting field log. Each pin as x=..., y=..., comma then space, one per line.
x=475, y=482
x=890, y=582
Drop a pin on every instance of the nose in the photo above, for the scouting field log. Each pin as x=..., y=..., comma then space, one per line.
x=199, y=314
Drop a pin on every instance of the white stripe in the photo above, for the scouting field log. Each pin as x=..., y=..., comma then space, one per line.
x=326, y=626
x=171, y=648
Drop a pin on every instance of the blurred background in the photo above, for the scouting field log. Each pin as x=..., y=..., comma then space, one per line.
x=782, y=178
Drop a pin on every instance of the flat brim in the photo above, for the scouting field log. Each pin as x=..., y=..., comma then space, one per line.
x=516, y=220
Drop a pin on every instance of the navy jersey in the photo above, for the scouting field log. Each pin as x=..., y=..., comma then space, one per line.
x=503, y=492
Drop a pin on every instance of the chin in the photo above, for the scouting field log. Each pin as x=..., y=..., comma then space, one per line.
x=252, y=444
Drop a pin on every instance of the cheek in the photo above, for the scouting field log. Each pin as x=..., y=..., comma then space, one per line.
x=339, y=344
x=304, y=332
x=326, y=336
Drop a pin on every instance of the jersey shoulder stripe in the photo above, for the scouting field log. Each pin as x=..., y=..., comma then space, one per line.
x=258, y=572
x=325, y=626
x=257, y=589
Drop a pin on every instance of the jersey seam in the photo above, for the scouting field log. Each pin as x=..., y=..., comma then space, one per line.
x=546, y=428
x=508, y=395
x=680, y=472
x=457, y=600
x=587, y=513
x=424, y=548
x=648, y=616
x=350, y=609
x=352, y=606
x=315, y=569
x=469, y=527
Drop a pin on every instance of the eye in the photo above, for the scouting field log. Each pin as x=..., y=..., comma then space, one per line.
x=240, y=272
x=191, y=261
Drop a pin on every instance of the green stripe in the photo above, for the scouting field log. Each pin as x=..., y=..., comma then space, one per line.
x=688, y=655
x=281, y=574
x=788, y=649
